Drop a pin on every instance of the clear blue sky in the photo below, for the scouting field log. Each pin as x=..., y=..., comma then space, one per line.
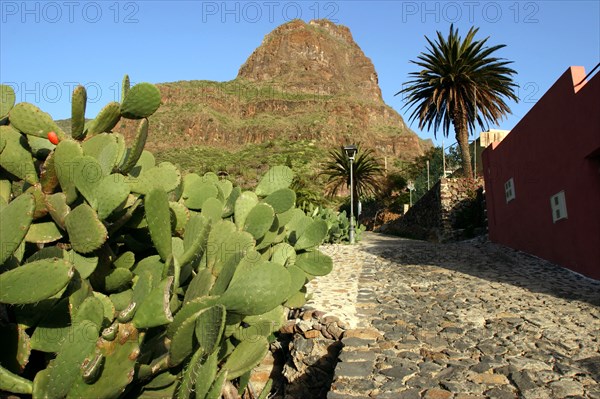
x=49, y=46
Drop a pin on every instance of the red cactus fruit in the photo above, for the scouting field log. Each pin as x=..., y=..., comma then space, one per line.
x=53, y=138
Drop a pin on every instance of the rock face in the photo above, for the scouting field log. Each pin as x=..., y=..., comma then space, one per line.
x=318, y=57
x=306, y=81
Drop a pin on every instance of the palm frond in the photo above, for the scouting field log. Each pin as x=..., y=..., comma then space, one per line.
x=459, y=74
x=365, y=169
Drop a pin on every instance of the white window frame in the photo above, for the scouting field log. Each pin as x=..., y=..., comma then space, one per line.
x=558, y=204
x=509, y=190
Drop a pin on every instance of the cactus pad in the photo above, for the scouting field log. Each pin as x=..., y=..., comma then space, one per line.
x=145, y=162
x=312, y=236
x=53, y=328
x=277, y=178
x=297, y=300
x=64, y=154
x=78, y=103
x=209, y=328
x=107, y=118
x=88, y=174
x=111, y=192
x=259, y=220
x=315, y=263
x=142, y=286
x=165, y=176
x=283, y=254
x=121, y=300
x=152, y=265
x=297, y=278
x=243, y=205
x=16, y=218
x=31, y=120
x=106, y=149
x=182, y=344
x=199, y=286
x=225, y=270
x=154, y=310
x=52, y=275
x=86, y=231
x=40, y=147
x=257, y=288
x=225, y=241
x=195, y=191
x=180, y=215
x=108, y=309
x=274, y=235
x=158, y=216
x=5, y=190
x=281, y=200
x=212, y=209
x=225, y=186
x=7, y=100
x=83, y=264
x=189, y=309
x=206, y=375
x=126, y=260
x=217, y=386
x=198, y=376
x=120, y=357
x=141, y=101
x=13, y=383
x=90, y=309
x=246, y=356
x=134, y=153
x=43, y=233
x=48, y=177
x=125, y=86
x=15, y=158
x=40, y=209
x=161, y=381
x=117, y=279
x=58, y=208
x=268, y=322
x=229, y=206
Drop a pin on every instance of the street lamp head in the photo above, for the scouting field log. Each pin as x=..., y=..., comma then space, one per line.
x=350, y=151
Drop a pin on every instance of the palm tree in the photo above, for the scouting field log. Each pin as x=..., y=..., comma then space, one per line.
x=365, y=169
x=460, y=83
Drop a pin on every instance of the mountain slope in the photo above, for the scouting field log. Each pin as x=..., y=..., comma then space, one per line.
x=307, y=81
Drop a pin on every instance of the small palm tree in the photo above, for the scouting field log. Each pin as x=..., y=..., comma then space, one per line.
x=366, y=172
x=460, y=83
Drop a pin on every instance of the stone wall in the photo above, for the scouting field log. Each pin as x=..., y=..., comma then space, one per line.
x=420, y=220
x=451, y=210
x=303, y=359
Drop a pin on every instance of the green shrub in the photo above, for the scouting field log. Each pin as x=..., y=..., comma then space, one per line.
x=338, y=225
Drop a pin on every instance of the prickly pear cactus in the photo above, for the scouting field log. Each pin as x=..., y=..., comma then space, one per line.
x=338, y=225
x=120, y=277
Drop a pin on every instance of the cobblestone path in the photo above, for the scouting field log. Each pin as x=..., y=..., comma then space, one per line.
x=458, y=321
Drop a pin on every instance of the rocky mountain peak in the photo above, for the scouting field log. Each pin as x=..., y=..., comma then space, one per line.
x=318, y=57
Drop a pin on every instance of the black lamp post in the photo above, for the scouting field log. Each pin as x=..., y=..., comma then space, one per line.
x=350, y=151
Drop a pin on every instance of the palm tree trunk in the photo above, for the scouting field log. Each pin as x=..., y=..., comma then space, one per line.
x=462, y=137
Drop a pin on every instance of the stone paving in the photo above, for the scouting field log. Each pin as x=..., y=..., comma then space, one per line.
x=337, y=293
x=458, y=321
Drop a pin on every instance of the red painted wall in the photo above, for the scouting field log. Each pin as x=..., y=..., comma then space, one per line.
x=555, y=147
